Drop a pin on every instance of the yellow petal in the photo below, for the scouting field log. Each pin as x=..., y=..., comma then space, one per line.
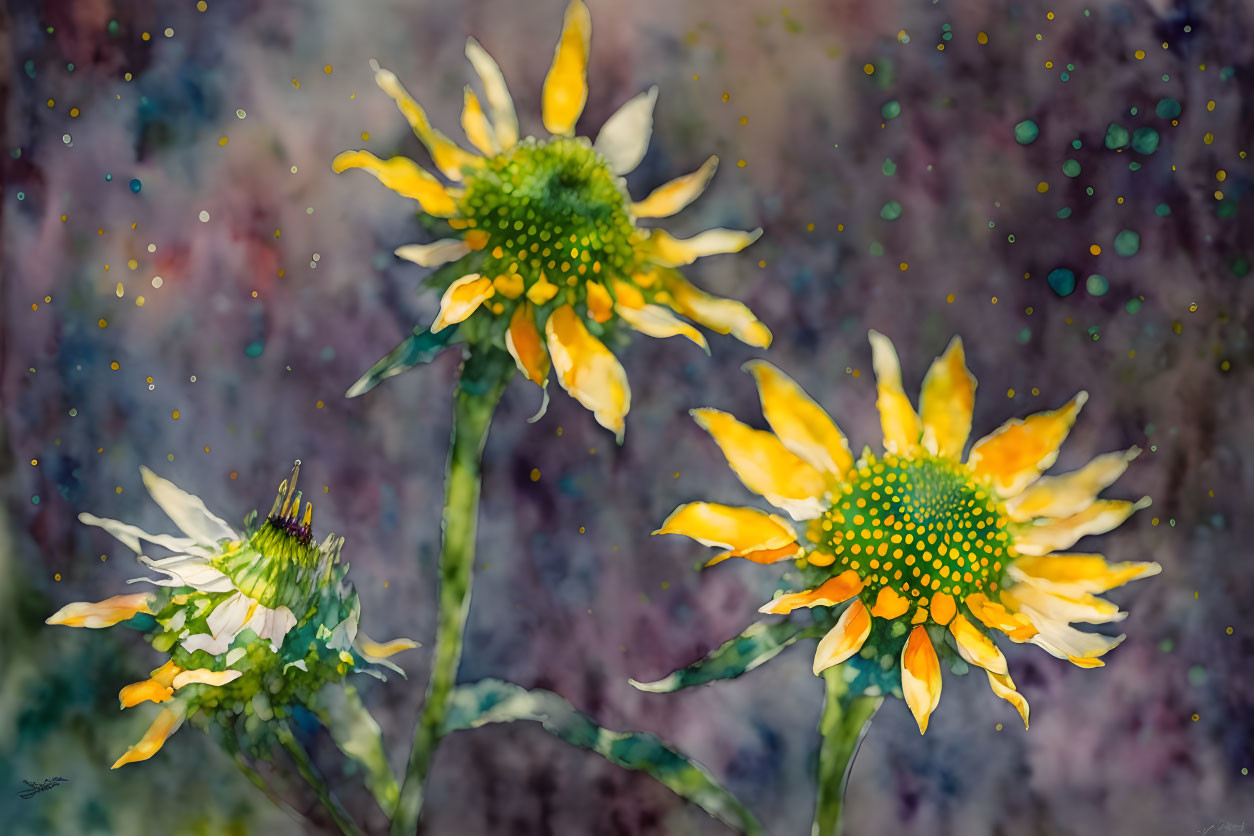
x=475, y=124
x=668, y=251
x=166, y=724
x=1073, y=574
x=509, y=285
x=542, y=290
x=800, y=423
x=831, y=592
x=106, y=613
x=525, y=346
x=943, y=608
x=434, y=254
x=204, y=676
x=624, y=138
x=669, y=198
x=403, y=176
x=900, y=424
x=920, y=676
x=722, y=316
x=1020, y=450
x=566, y=85
x=743, y=532
x=1066, y=642
x=946, y=402
x=462, y=298
x=165, y=674
x=627, y=295
x=138, y=692
x=765, y=466
x=588, y=370
x=446, y=155
x=600, y=303
x=382, y=650
x=889, y=604
x=1098, y=518
x=845, y=639
x=1070, y=493
x=1004, y=687
x=504, y=120
x=1085, y=608
x=656, y=321
x=994, y=616
x=977, y=648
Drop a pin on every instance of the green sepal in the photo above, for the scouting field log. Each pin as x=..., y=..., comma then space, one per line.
x=415, y=350
x=758, y=644
x=494, y=701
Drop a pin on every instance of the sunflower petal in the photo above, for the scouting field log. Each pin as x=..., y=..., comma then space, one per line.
x=600, y=303
x=383, y=650
x=722, y=316
x=1100, y=517
x=504, y=119
x=106, y=613
x=996, y=617
x=1004, y=687
x=445, y=153
x=975, y=647
x=765, y=465
x=831, y=592
x=743, y=532
x=434, y=254
x=889, y=604
x=403, y=176
x=898, y=419
x=166, y=724
x=462, y=298
x=1075, y=574
x=656, y=321
x=671, y=197
x=1084, y=608
x=624, y=137
x=525, y=346
x=205, y=676
x=801, y=424
x=588, y=370
x=845, y=639
x=475, y=124
x=1066, y=642
x=920, y=676
x=1070, y=493
x=946, y=403
x=1020, y=450
x=149, y=690
x=566, y=85
x=669, y=251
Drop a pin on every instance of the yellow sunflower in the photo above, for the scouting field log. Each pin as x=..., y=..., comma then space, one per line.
x=544, y=233
x=920, y=541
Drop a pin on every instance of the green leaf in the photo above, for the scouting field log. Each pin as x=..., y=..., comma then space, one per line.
x=494, y=701
x=420, y=347
x=355, y=732
x=756, y=645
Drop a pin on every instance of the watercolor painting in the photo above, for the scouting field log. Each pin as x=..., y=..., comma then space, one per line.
x=820, y=418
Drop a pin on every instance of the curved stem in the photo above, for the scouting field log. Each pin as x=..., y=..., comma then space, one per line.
x=483, y=378
x=846, y=718
x=307, y=770
x=231, y=744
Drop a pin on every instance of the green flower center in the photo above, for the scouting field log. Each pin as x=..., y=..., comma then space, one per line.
x=918, y=526
x=551, y=208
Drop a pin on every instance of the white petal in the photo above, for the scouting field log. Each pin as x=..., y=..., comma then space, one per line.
x=130, y=536
x=187, y=511
x=186, y=570
x=204, y=676
x=225, y=623
x=435, y=254
x=500, y=103
x=1066, y=642
x=271, y=624
x=625, y=136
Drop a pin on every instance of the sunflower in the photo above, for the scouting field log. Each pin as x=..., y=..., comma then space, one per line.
x=544, y=256
x=252, y=621
x=930, y=551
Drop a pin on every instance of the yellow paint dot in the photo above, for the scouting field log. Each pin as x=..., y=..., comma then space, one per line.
x=726, y=97
x=57, y=576
x=1208, y=137
x=1219, y=195
x=809, y=227
x=1010, y=393
x=744, y=120
x=1139, y=54
x=222, y=141
x=73, y=113
x=296, y=83
x=1221, y=175
x=35, y=462
x=175, y=415
x=903, y=266
x=327, y=69
x=201, y=5
x=993, y=300
x=365, y=136
x=103, y=323
x=1049, y=65
x=982, y=38
x=1049, y=15
x=115, y=365
x=145, y=36
x=1228, y=631
x=1210, y=105
x=1195, y=716
x=741, y=163
x=1095, y=249
x=869, y=69
x=950, y=299
x=535, y=474
x=1042, y=187
x=52, y=103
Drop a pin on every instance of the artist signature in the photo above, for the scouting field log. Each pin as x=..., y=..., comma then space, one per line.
x=1225, y=826
x=36, y=787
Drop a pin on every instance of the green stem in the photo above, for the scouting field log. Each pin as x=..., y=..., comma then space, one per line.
x=482, y=380
x=305, y=766
x=231, y=744
x=846, y=718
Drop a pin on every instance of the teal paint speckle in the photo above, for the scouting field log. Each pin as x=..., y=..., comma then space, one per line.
x=1071, y=168
x=1064, y=212
x=891, y=211
x=1077, y=144
x=1168, y=109
x=1133, y=306
x=876, y=249
x=1061, y=281
x=1162, y=210
x=889, y=168
x=254, y=349
x=1097, y=285
x=1145, y=140
x=1026, y=132
x=891, y=110
x=1116, y=137
x=1127, y=242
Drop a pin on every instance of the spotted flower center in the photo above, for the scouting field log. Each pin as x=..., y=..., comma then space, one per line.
x=550, y=212
x=918, y=526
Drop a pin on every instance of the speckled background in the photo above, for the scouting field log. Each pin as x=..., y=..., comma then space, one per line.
x=267, y=312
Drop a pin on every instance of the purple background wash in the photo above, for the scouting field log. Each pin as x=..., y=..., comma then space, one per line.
x=270, y=309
